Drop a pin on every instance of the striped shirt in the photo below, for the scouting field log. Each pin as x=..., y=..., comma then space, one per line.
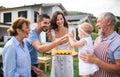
x=108, y=50
x=16, y=59
x=114, y=47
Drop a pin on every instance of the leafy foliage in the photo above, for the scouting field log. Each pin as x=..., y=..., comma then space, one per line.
x=117, y=26
x=1, y=7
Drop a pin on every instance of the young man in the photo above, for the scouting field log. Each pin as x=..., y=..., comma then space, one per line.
x=34, y=42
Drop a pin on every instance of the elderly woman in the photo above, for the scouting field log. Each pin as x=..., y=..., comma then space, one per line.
x=16, y=58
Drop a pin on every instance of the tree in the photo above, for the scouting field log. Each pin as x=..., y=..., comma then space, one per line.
x=117, y=26
x=1, y=7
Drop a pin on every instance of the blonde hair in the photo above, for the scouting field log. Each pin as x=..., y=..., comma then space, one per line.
x=87, y=27
x=17, y=24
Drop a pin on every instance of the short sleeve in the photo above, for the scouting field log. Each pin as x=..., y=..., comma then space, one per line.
x=117, y=53
x=32, y=37
x=114, y=50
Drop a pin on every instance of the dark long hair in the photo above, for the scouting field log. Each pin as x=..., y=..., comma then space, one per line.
x=54, y=19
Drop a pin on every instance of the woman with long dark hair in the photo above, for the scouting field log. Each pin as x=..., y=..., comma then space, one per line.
x=62, y=66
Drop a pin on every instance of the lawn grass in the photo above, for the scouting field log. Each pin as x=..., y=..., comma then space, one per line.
x=94, y=35
x=75, y=66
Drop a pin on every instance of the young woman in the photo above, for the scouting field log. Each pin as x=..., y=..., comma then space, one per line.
x=62, y=66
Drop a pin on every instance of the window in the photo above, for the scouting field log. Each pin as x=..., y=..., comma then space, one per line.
x=7, y=17
x=35, y=16
x=22, y=14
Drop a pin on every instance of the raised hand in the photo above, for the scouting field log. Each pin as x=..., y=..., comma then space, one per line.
x=69, y=35
x=63, y=39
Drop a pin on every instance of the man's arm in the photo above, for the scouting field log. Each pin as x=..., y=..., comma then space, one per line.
x=112, y=68
x=44, y=48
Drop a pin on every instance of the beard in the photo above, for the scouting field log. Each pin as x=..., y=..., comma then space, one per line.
x=45, y=30
x=100, y=31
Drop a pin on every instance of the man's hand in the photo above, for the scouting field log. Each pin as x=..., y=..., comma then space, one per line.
x=63, y=39
x=88, y=57
x=38, y=71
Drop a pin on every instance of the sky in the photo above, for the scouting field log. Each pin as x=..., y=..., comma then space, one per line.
x=94, y=7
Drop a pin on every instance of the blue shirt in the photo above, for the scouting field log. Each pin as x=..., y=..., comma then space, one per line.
x=114, y=48
x=16, y=59
x=33, y=36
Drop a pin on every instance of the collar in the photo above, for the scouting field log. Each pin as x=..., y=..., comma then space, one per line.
x=16, y=41
x=110, y=37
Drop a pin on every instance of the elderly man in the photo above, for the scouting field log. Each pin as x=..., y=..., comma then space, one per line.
x=106, y=48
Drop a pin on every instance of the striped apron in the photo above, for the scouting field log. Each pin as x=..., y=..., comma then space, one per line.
x=101, y=51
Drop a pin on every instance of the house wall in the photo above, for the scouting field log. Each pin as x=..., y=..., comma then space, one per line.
x=46, y=10
x=3, y=31
x=56, y=8
x=33, y=9
x=1, y=17
x=73, y=27
x=50, y=10
x=14, y=13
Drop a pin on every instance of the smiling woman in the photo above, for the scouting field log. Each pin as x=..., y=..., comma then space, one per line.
x=16, y=58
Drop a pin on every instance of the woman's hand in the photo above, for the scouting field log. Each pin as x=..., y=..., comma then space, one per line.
x=70, y=35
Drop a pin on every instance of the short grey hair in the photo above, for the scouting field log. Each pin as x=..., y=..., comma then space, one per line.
x=109, y=15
